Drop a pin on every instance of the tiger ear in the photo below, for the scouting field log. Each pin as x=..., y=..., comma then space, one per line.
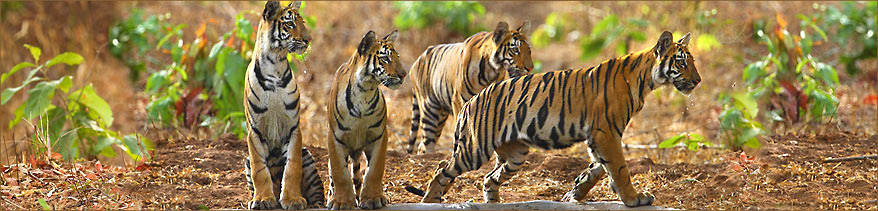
x=295, y=5
x=500, y=31
x=524, y=27
x=685, y=39
x=664, y=43
x=391, y=37
x=366, y=43
x=271, y=8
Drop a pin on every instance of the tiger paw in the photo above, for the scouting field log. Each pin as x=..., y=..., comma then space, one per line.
x=293, y=203
x=264, y=204
x=570, y=196
x=341, y=203
x=642, y=199
x=373, y=203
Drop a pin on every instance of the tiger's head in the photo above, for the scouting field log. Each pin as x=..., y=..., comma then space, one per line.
x=285, y=28
x=380, y=60
x=513, y=51
x=674, y=64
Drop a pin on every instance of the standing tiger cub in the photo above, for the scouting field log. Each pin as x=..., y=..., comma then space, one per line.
x=357, y=123
x=277, y=166
x=555, y=110
x=445, y=76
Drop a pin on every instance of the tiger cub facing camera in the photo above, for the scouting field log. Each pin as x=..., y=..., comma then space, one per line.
x=357, y=122
x=280, y=172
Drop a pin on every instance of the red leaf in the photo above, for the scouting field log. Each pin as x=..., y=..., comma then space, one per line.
x=98, y=166
x=91, y=176
x=141, y=167
x=57, y=156
x=870, y=99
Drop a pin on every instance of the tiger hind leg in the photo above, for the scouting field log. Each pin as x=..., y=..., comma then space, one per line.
x=312, y=185
x=416, y=120
x=510, y=157
x=584, y=182
x=462, y=160
x=431, y=128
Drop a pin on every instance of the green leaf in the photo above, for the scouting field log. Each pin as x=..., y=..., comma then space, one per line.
x=66, y=58
x=9, y=92
x=827, y=73
x=103, y=146
x=748, y=103
x=44, y=204
x=40, y=98
x=19, y=112
x=753, y=71
x=35, y=52
x=137, y=147
x=706, y=42
x=87, y=97
x=14, y=69
x=696, y=137
x=671, y=142
x=66, y=83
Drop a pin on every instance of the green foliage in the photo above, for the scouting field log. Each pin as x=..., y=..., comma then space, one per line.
x=44, y=204
x=78, y=122
x=459, y=16
x=737, y=120
x=789, y=68
x=608, y=31
x=553, y=30
x=202, y=85
x=852, y=27
x=690, y=140
x=130, y=39
x=796, y=85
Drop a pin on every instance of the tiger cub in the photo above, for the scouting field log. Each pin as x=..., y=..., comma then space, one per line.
x=554, y=110
x=445, y=76
x=277, y=166
x=357, y=123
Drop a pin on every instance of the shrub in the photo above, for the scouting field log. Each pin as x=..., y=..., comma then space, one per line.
x=459, y=16
x=203, y=86
x=796, y=86
x=78, y=122
x=852, y=27
x=608, y=31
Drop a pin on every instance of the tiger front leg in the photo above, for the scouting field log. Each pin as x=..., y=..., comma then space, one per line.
x=372, y=195
x=609, y=150
x=342, y=195
x=291, y=191
x=263, y=196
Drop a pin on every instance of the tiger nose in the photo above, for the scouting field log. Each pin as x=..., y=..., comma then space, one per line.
x=401, y=74
x=306, y=38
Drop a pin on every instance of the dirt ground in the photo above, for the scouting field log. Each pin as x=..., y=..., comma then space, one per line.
x=197, y=169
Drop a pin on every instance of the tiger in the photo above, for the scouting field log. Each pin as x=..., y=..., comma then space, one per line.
x=554, y=110
x=357, y=125
x=447, y=75
x=277, y=165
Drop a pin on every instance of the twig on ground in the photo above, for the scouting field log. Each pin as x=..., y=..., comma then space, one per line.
x=13, y=204
x=842, y=159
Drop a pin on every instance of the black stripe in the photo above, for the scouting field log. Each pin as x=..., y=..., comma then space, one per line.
x=256, y=109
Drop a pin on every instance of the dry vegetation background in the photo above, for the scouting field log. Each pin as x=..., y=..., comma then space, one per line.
x=192, y=169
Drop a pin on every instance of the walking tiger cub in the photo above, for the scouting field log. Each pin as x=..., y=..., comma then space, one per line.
x=357, y=125
x=445, y=76
x=277, y=166
x=554, y=110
